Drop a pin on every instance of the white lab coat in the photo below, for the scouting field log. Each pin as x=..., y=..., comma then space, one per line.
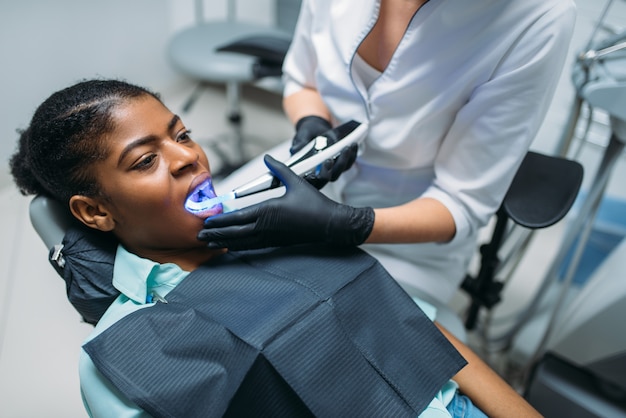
x=451, y=117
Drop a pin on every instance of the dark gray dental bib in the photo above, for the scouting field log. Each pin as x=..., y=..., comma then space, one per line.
x=296, y=331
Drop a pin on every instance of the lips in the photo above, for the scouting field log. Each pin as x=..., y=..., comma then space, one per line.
x=201, y=190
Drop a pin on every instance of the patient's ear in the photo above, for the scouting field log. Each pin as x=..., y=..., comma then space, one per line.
x=91, y=212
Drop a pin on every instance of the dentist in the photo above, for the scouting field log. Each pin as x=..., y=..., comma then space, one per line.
x=453, y=92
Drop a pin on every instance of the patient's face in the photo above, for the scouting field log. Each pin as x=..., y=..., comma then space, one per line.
x=151, y=169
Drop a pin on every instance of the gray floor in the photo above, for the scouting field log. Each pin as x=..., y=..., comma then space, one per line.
x=40, y=334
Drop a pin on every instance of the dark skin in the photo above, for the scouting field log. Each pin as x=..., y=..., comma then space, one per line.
x=151, y=167
x=146, y=178
x=485, y=388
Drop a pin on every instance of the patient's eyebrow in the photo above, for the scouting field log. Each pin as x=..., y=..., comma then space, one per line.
x=173, y=122
x=145, y=140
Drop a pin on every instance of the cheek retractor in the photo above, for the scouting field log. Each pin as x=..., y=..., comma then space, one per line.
x=201, y=199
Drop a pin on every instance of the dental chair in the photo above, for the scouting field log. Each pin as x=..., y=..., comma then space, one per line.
x=90, y=254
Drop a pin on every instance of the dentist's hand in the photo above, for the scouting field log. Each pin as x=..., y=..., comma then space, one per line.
x=302, y=215
x=310, y=127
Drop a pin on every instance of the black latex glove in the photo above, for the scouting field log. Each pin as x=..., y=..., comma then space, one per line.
x=302, y=215
x=310, y=127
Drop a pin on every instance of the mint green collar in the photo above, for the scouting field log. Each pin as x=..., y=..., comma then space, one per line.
x=137, y=278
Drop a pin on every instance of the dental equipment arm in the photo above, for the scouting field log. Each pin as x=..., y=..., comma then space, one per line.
x=301, y=215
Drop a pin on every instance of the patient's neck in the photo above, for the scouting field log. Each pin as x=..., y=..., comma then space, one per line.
x=186, y=259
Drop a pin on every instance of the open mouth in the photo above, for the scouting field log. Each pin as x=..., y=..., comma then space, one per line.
x=200, y=203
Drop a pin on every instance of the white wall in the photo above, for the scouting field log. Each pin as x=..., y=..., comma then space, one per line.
x=47, y=45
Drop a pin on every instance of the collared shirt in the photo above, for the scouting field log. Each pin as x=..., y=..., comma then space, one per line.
x=138, y=279
x=141, y=280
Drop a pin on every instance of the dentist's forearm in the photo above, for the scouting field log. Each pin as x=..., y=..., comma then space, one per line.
x=421, y=220
x=305, y=102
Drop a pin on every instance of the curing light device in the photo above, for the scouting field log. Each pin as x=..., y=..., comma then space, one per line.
x=302, y=163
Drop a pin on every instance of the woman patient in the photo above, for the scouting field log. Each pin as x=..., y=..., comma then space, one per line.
x=125, y=165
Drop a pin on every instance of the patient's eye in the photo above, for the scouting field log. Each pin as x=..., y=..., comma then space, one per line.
x=184, y=136
x=145, y=162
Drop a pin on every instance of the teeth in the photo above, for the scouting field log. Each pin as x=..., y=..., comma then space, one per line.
x=197, y=200
x=204, y=192
x=196, y=206
x=200, y=194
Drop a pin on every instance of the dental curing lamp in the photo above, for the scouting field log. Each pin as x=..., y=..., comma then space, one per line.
x=305, y=161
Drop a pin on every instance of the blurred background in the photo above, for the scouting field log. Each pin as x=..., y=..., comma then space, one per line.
x=48, y=45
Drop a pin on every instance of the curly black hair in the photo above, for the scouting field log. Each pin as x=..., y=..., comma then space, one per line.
x=65, y=137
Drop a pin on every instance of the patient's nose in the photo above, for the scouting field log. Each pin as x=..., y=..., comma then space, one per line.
x=182, y=157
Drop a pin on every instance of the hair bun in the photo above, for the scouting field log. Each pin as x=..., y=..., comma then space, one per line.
x=21, y=169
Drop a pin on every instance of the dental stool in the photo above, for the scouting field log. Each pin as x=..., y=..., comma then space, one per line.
x=196, y=52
